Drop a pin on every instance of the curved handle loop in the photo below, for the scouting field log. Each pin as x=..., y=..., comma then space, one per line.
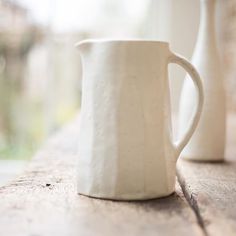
x=180, y=144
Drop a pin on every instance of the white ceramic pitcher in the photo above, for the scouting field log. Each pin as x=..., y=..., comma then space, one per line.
x=126, y=149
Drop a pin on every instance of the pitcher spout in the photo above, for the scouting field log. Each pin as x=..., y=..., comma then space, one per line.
x=83, y=46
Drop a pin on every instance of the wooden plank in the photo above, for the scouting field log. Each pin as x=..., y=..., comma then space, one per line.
x=211, y=188
x=43, y=201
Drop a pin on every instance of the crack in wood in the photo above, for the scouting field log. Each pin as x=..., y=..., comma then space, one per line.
x=191, y=199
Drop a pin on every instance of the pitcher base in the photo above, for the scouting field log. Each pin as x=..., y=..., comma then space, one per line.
x=128, y=198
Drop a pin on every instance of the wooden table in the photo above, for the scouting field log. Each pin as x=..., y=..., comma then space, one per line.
x=43, y=201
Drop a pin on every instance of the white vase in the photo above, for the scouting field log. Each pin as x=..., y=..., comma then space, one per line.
x=208, y=142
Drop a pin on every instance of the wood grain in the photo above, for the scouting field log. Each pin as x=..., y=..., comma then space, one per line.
x=211, y=188
x=43, y=201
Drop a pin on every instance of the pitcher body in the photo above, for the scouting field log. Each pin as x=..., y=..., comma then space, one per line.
x=125, y=138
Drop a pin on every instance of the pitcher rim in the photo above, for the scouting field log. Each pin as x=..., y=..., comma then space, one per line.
x=85, y=41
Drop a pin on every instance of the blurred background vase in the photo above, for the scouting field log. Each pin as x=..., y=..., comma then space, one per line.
x=208, y=142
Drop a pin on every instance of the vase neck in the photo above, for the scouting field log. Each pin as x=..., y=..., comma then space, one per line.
x=207, y=31
x=208, y=15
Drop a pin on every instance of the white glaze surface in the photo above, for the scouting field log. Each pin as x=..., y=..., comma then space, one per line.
x=125, y=144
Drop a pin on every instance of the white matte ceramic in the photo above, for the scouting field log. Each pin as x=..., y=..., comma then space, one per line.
x=208, y=141
x=126, y=150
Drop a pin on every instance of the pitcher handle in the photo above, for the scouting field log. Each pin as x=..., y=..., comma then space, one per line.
x=180, y=144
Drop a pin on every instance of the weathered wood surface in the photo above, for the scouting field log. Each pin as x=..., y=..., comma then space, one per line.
x=211, y=188
x=43, y=201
